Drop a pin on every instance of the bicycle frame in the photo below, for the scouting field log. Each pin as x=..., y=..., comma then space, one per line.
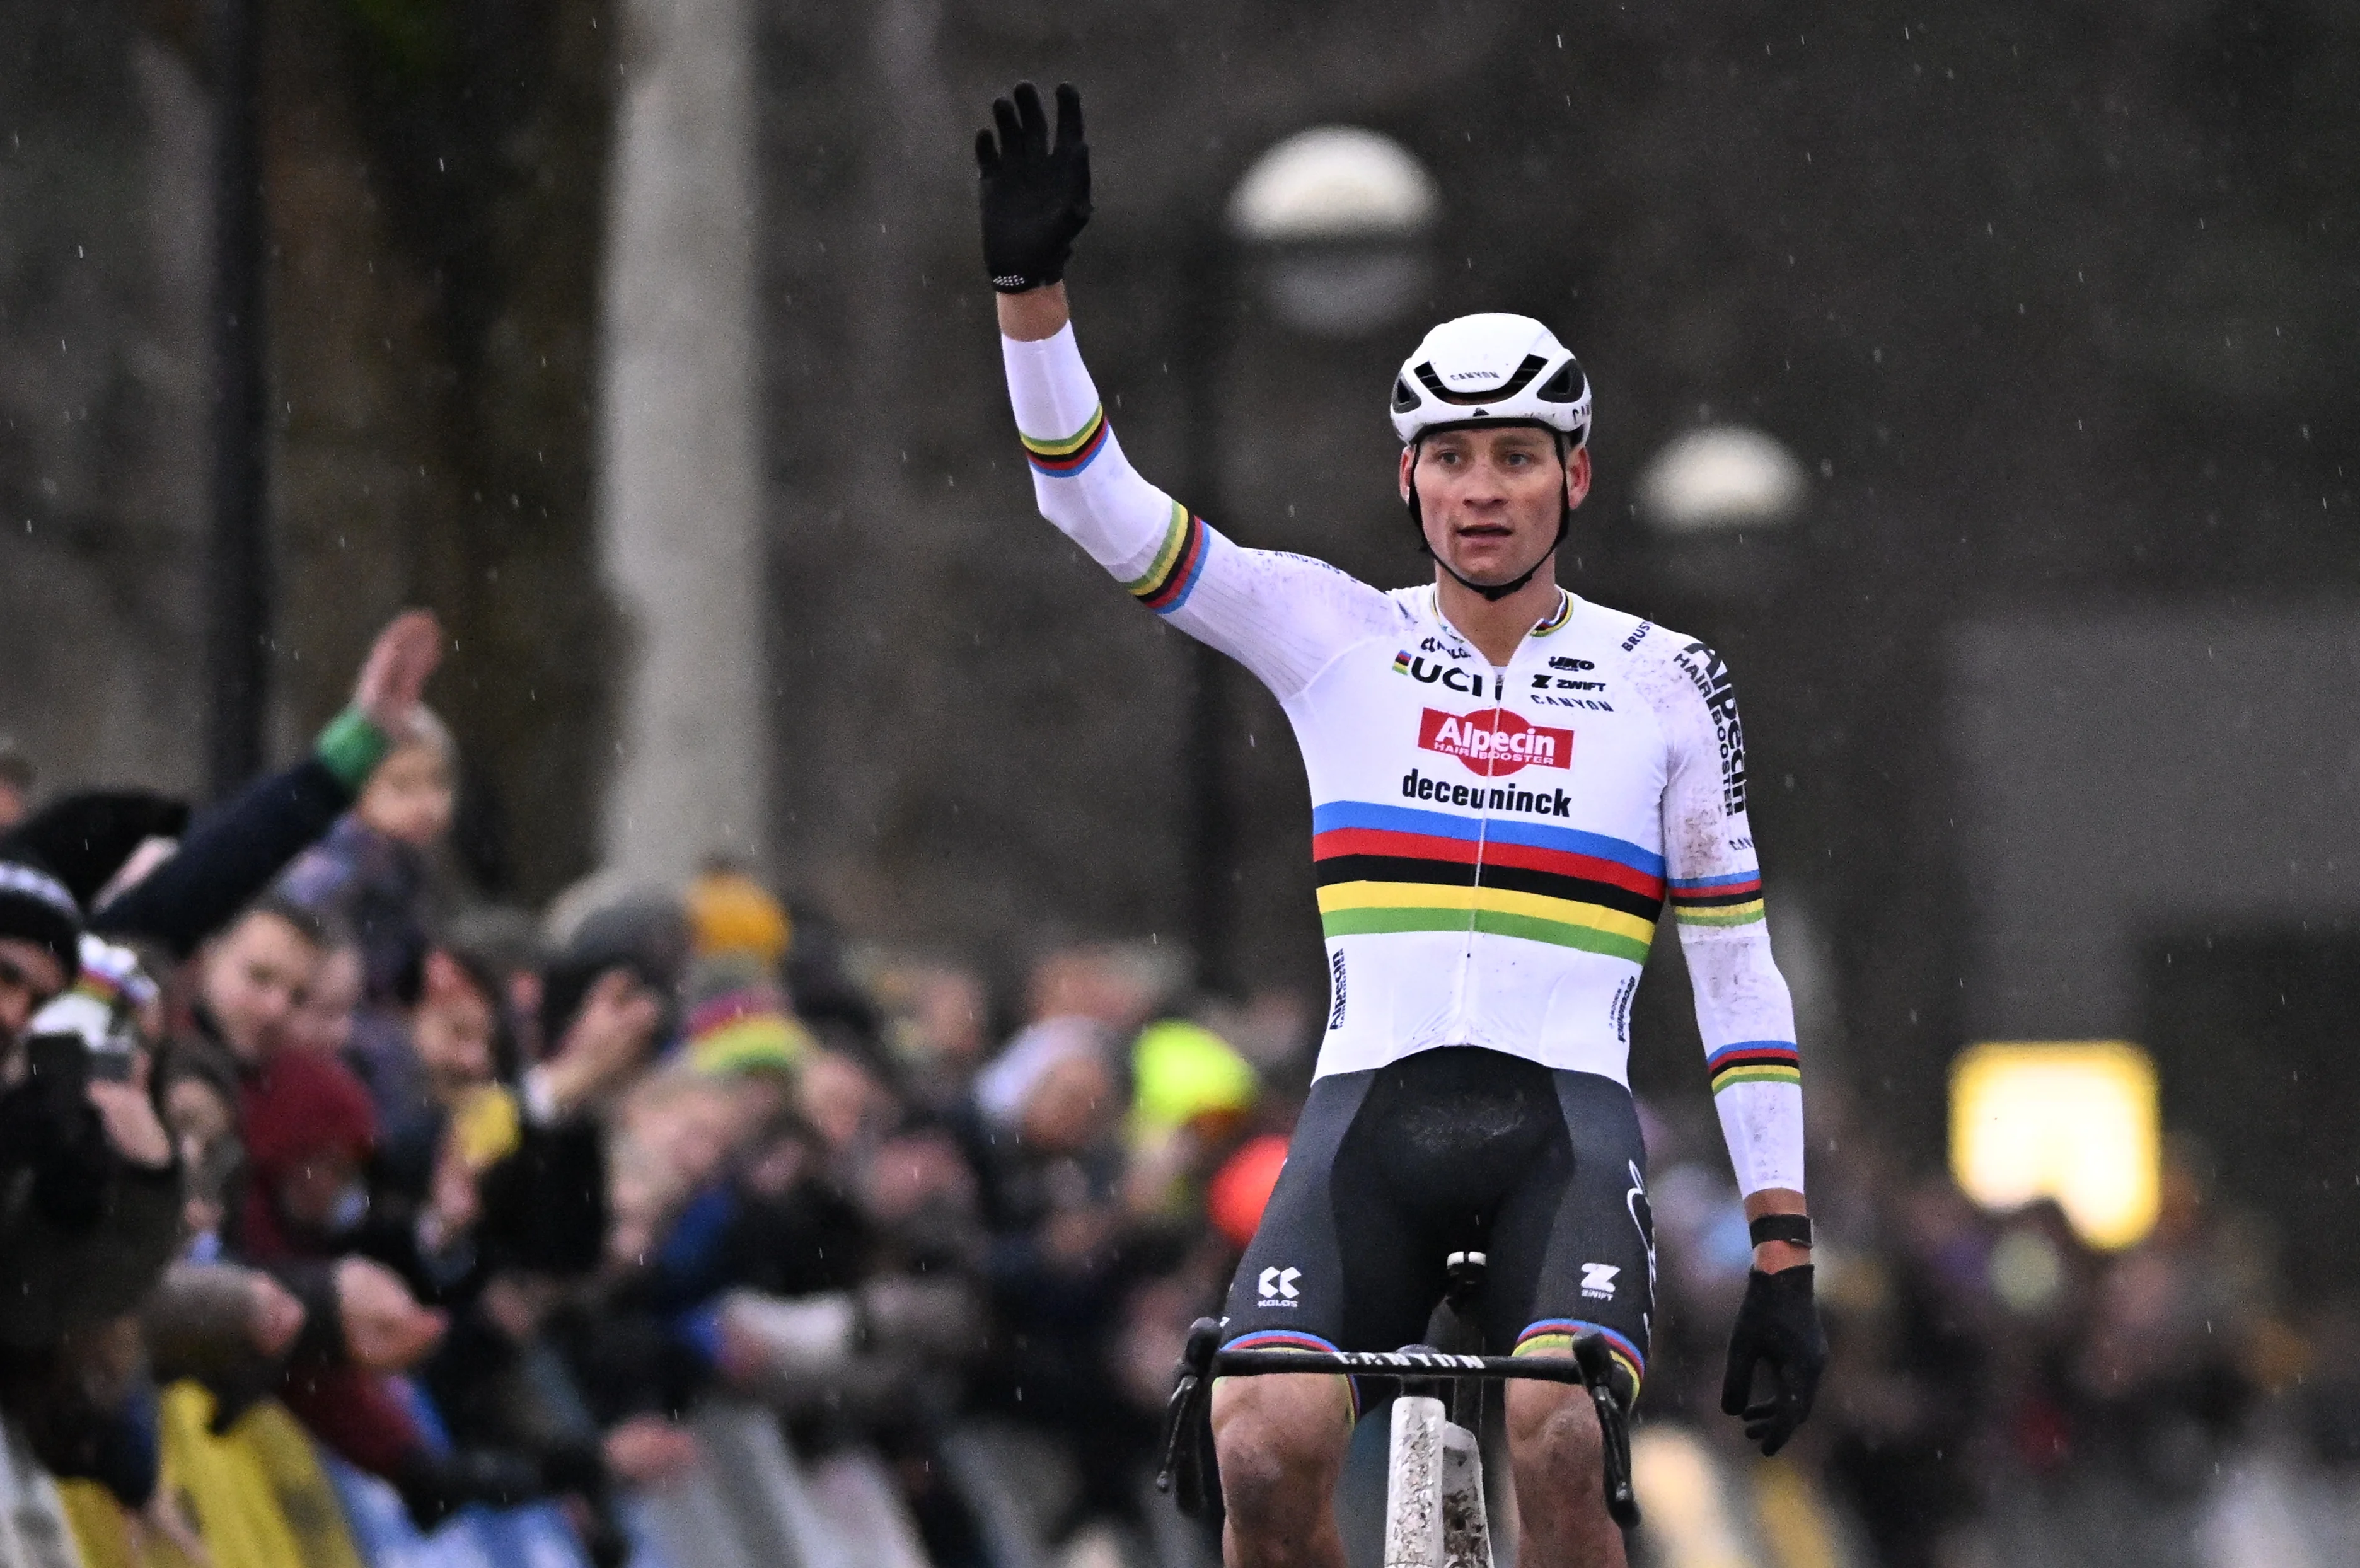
x=1435, y=1514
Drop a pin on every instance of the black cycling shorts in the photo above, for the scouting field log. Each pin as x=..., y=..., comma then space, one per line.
x=1455, y=1150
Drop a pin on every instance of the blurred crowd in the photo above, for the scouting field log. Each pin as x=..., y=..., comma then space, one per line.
x=491, y=1200
x=1999, y=1391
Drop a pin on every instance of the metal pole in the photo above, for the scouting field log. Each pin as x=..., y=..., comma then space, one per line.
x=1208, y=830
x=237, y=569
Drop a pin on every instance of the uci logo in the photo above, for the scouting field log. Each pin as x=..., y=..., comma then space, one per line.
x=1466, y=681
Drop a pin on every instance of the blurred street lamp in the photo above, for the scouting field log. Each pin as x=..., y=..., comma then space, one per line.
x=1334, y=214
x=1715, y=500
x=2073, y=1121
x=1327, y=227
x=1722, y=477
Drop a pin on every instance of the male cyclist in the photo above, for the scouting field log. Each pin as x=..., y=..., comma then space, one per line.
x=1506, y=782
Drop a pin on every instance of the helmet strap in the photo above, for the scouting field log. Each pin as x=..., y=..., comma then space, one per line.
x=1493, y=592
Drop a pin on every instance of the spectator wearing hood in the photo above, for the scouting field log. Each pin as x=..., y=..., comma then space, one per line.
x=310, y=1135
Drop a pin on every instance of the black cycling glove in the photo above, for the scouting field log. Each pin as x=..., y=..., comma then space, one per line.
x=1777, y=1327
x=1036, y=197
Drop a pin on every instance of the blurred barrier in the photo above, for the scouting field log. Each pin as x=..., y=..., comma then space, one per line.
x=33, y=1529
x=684, y=1523
x=1702, y=1514
x=839, y=1512
x=263, y=1495
x=234, y=1489
x=534, y=1536
x=101, y=1530
x=1015, y=1483
x=296, y=1473
x=858, y=1497
x=776, y=1520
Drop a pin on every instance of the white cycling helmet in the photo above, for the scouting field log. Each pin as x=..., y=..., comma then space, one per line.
x=1491, y=369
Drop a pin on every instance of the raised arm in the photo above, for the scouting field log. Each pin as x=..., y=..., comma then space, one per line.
x=235, y=851
x=1283, y=617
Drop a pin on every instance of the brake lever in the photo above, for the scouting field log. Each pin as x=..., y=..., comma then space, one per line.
x=1188, y=1416
x=1597, y=1371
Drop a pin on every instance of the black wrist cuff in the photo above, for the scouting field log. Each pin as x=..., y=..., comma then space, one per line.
x=1029, y=278
x=1795, y=1229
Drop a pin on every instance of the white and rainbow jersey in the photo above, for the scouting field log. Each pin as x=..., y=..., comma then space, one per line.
x=1493, y=845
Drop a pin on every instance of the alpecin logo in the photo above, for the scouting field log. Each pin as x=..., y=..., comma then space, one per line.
x=1495, y=742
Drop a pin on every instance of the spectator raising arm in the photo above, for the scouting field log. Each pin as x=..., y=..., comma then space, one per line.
x=234, y=852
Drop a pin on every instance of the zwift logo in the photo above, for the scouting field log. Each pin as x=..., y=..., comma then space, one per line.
x=1495, y=742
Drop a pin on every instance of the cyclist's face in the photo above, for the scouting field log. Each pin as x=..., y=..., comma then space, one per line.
x=1490, y=498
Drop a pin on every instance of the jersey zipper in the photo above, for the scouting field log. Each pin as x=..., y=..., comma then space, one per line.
x=1462, y=1009
x=1465, y=1002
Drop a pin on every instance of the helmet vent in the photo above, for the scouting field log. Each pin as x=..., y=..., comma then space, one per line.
x=1403, y=398
x=1566, y=386
x=1533, y=366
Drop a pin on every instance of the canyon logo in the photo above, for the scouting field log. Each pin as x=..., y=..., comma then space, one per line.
x=1495, y=742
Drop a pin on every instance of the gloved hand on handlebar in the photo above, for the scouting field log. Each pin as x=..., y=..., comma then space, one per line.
x=1037, y=196
x=1778, y=1328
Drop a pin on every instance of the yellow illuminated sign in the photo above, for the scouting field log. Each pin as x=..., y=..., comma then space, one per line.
x=2078, y=1121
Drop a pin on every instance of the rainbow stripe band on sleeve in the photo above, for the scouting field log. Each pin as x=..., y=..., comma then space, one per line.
x=1064, y=458
x=1554, y=1336
x=1166, y=585
x=1755, y=1061
x=1733, y=900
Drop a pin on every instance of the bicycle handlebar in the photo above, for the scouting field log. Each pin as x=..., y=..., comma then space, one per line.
x=1400, y=1364
x=1190, y=1471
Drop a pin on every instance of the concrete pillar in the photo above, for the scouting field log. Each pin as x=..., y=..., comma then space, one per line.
x=679, y=525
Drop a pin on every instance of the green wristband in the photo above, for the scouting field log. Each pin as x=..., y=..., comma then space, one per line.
x=351, y=747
